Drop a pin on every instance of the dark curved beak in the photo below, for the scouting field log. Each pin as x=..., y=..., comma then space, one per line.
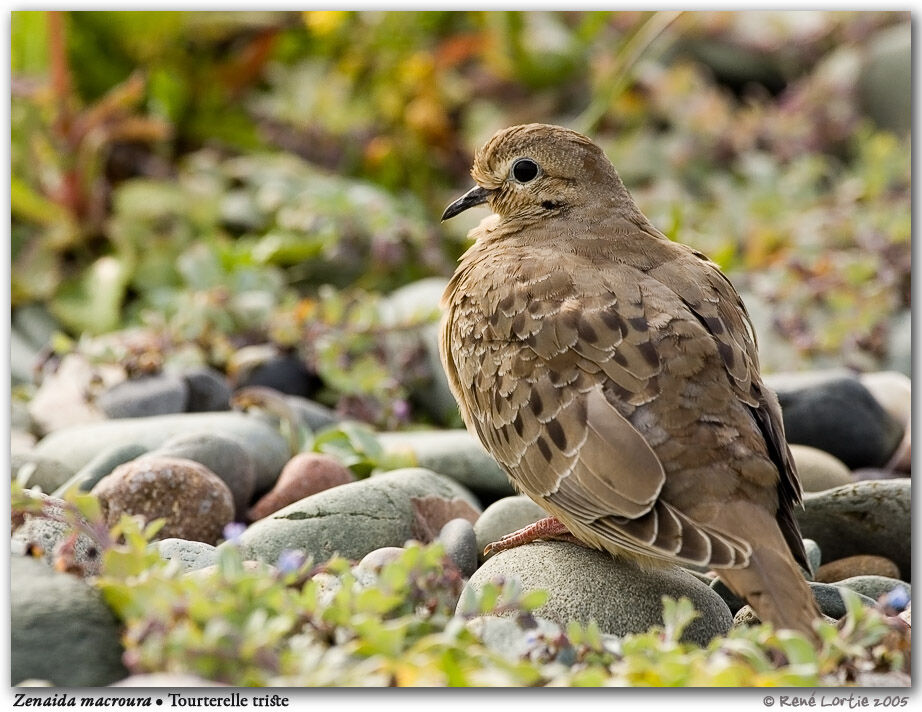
x=475, y=196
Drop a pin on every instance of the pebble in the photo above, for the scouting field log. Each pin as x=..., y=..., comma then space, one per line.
x=873, y=586
x=60, y=629
x=505, y=516
x=32, y=469
x=814, y=556
x=893, y=391
x=194, y=501
x=870, y=517
x=507, y=636
x=453, y=453
x=818, y=470
x=160, y=394
x=78, y=444
x=829, y=599
x=859, y=565
x=460, y=542
x=61, y=401
x=842, y=418
x=189, y=555
x=351, y=519
x=49, y=533
x=303, y=475
x=379, y=558
x=885, y=84
x=223, y=457
x=100, y=466
x=899, y=343
x=208, y=390
x=282, y=372
x=585, y=584
x=313, y=415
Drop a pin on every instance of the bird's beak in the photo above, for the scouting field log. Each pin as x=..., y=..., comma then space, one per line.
x=475, y=196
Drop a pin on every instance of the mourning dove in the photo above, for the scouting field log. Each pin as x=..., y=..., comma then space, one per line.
x=614, y=375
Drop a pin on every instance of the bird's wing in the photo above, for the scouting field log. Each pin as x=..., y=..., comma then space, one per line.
x=544, y=373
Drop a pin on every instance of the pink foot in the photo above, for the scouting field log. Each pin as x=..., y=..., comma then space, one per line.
x=547, y=528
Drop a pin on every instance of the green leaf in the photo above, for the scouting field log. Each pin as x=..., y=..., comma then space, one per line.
x=92, y=301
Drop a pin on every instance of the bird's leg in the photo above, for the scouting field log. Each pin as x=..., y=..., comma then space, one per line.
x=547, y=528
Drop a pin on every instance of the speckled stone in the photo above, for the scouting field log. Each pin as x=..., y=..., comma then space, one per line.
x=585, y=584
x=860, y=565
x=305, y=474
x=189, y=555
x=47, y=533
x=100, y=466
x=194, y=501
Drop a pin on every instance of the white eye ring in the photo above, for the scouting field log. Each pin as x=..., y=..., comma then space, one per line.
x=524, y=170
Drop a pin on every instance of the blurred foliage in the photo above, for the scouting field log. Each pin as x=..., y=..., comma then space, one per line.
x=301, y=623
x=228, y=178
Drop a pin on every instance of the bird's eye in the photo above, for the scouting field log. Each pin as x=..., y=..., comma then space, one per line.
x=524, y=170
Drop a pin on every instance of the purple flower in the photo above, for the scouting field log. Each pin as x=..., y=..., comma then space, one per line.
x=233, y=530
x=290, y=560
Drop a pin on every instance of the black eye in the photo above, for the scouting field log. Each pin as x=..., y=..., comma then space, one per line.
x=524, y=170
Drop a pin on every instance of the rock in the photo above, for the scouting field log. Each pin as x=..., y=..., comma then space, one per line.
x=874, y=473
x=313, y=415
x=859, y=565
x=460, y=542
x=305, y=474
x=871, y=517
x=35, y=470
x=873, y=586
x=100, y=466
x=818, y=470
x=48, y=532
x=842, y=418
x=504, y=517
x=746, y=617
x=507, y=637
x=194, y=501
x=208, y=390
x=77, y=445
x=60, y=629
x=190, y=555
x=160, y=394
x=61, y=401
x=814, y=556
x=829, y=599
x=282, y=372
x=885, y=83
x=223, y=457
x=893, y=391
x=585, y=584
x=351, y=519
x=453, y=453
x=375, y=560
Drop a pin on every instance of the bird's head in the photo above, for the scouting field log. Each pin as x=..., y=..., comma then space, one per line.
x=537, y=170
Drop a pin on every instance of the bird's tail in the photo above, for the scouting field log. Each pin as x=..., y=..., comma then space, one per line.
x=773, y=584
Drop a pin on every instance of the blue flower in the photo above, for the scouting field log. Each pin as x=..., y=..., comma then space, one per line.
x=290, y=560
x=897, y=599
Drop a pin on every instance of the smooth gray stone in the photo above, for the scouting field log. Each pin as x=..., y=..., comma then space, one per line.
x=460, y=542
x=873, y=586
x=885, y=83
x=454, y=453
x=100, y=466
x=190, y=555
x=352, y=519
x=866, y=517
x=814, y=556
x=60, y=629
x=209, y=390
x=32, y=469
x=160, y=394
x=585, y=584
x=829, y=599
x=79, y=444
x=314, y=415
